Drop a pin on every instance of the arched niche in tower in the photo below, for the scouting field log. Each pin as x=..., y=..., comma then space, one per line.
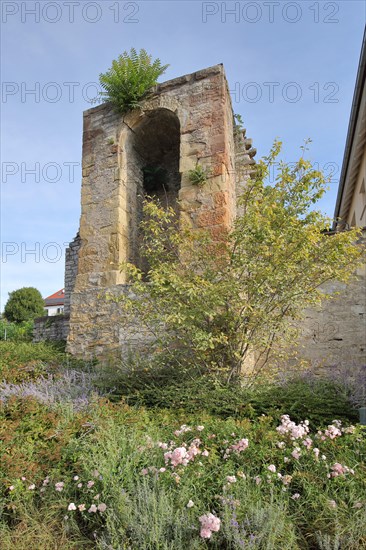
x=153, y=154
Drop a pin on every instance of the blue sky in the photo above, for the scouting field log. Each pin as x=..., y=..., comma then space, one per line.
x=291, y=67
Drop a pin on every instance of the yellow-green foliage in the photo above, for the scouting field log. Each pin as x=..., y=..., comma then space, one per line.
x=219, y=301
x=198, y=176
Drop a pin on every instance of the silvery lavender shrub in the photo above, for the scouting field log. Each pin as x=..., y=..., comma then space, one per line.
x=72, y=387
x=350, y=379
x=264, y=525
x=353, y=379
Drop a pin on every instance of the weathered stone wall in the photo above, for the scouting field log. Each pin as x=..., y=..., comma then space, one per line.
x=111, y=190
x=71, y=270
x=51, y=328
x=98, y=312
x=335, y=333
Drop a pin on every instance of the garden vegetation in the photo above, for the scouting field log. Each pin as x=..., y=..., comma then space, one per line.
x=166, y=453
x=212, y=467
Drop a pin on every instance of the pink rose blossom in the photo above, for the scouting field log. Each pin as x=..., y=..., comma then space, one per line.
x=231, y=479
x=296, y=453
x=176, y=457
x=183, y=429
x=182, y=456
x=333, y=430
x=209, y=524
x=272, y=468
x=339, y=470
x=237, y=448
x=295, y=431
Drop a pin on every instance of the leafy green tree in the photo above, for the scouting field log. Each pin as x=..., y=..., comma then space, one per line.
x=130, y=78
x=218, y=304
x=24, y=304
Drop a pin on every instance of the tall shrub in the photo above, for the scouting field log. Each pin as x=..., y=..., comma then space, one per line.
x=24, y=304
x=212, y=303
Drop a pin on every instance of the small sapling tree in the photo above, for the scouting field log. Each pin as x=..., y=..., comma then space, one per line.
x=129, y=79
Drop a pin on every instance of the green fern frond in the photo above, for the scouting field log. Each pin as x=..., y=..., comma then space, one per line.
x=129, y=79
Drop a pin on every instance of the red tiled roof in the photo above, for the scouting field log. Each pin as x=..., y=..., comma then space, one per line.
x=56, y=299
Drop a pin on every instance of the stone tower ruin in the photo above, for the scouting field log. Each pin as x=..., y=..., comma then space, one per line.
x=185, y=122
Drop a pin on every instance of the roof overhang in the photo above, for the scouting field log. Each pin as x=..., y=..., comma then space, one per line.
x=355, y=143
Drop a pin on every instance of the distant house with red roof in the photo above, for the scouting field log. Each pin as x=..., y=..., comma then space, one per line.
x=54, y=304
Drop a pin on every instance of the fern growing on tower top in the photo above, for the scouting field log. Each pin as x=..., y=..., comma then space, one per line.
x=129, y=79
